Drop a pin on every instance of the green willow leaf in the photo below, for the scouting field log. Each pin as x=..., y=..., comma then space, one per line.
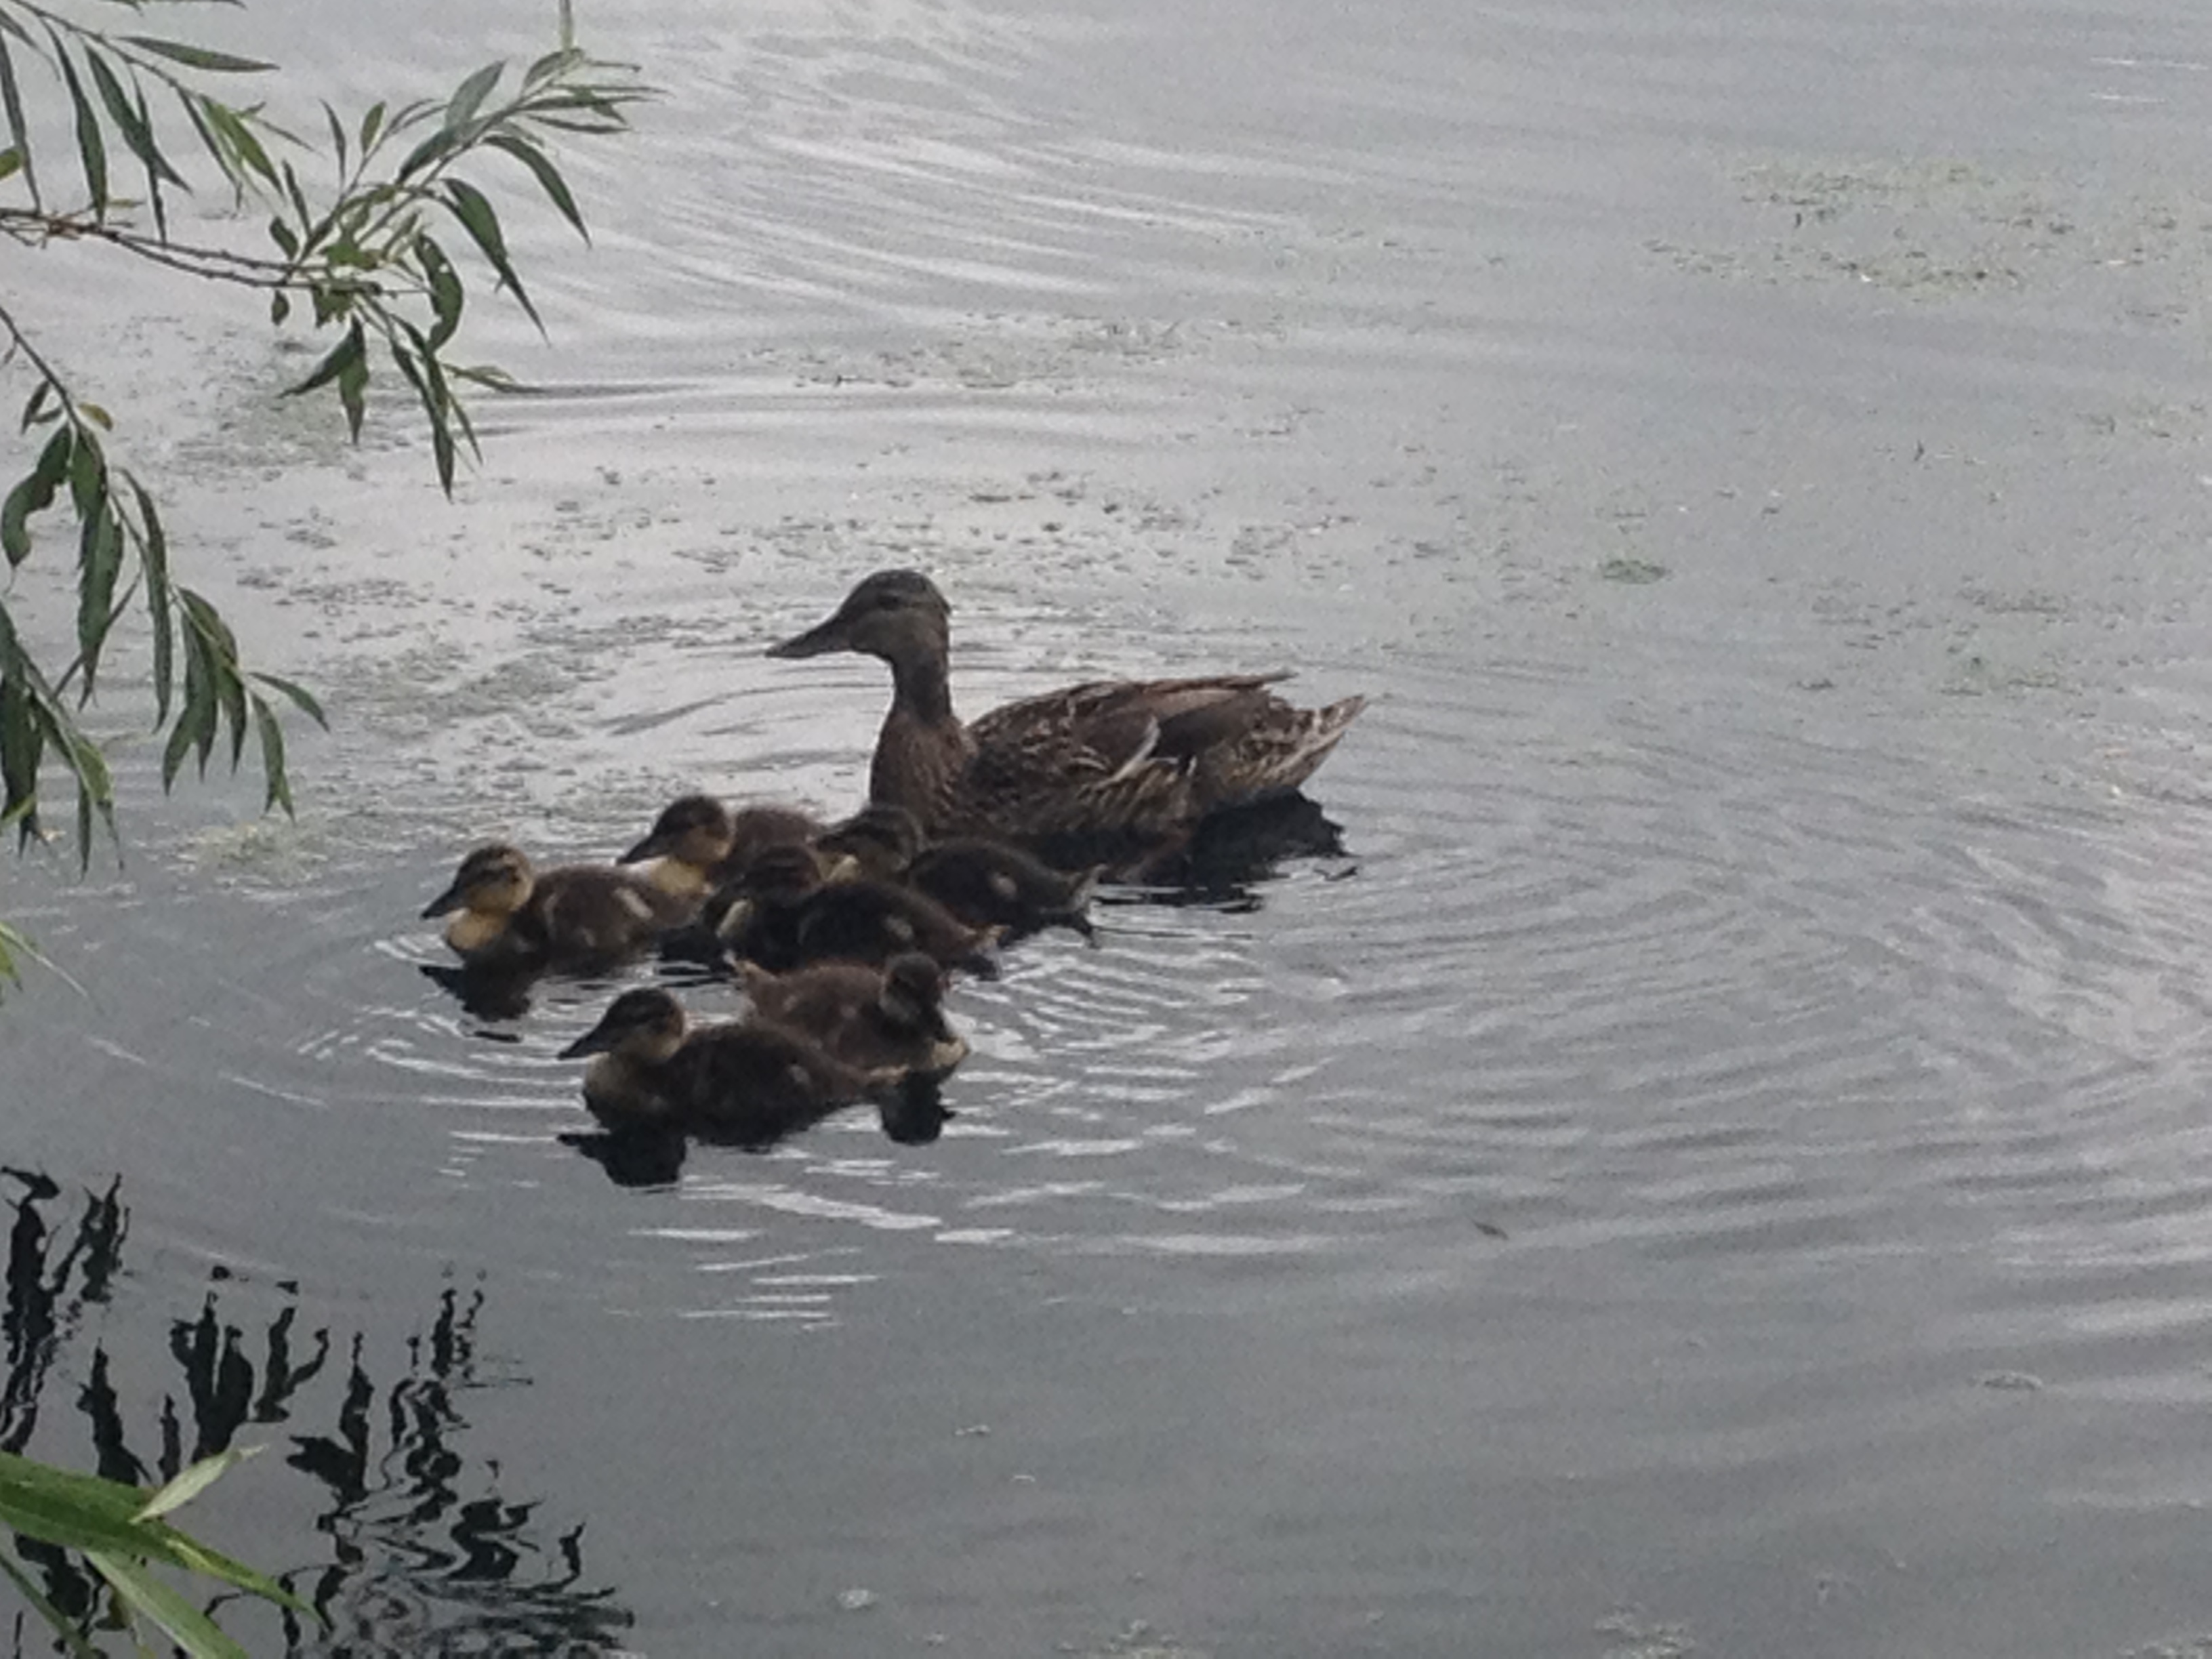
x=477, y=216
x=35, y=494
x=142, y=1593
x=447, y=296
x=123, y=111
x=337, y=135
x=154, y=562
x=335, y=363
x=11, y=162
x=191, y=1482
x=11, y=100
x=235, y=132
x=199, y=57
x=548, y=176
x=302, y=699
x=91, y=147
x=277, y=790
x=372, y=126
x=469, y=97
x=63, y=1625
x=99, y=558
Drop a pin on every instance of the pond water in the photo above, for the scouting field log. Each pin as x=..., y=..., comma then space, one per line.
x=1716, y=1164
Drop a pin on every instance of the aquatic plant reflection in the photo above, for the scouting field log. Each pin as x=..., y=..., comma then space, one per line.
x=426, y=1553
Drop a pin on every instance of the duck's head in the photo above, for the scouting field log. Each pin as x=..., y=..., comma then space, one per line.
x=495, y=880
x=647, y=1023
x=778, y=877
x=694, y=830
x=895, y=615
x=914, y=1000
x=913, y=992
x=783, y=874
x=882, y=838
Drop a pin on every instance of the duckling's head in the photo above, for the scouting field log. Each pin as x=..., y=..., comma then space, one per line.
x=783, y=874
x=881, y=838
x=647, y=1023
x=894, y=614
x=694, y=830
x=495, y=880
x=913, y=993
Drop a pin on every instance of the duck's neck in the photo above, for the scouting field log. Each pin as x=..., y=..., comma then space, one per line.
x=922, y=690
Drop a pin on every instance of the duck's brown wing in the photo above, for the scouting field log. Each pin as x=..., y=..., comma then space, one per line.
x=1135, y=756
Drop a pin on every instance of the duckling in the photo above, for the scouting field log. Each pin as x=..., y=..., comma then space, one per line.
x=783, y=916
x=987, y=882
x=697, y=843
x=508, y=914
x=870, y=1019
x=746, y=1083
x=881, y=838
x=982, y=881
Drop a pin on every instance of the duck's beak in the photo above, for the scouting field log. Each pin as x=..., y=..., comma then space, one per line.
x=446, y=903
x=817, y=641
x=597, y=1040
x=651, y=847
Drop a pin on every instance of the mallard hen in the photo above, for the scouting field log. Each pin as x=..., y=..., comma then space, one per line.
x=1128, y=760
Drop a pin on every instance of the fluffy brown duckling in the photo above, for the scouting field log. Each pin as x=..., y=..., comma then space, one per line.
x=697, y=843
x=985, y=883
x=784, y=915
x=506, y=914
x=871, y=1018
x=746, y=1083
x=880, y=839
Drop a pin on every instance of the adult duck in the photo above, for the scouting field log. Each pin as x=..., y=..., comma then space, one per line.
x=1127, y=762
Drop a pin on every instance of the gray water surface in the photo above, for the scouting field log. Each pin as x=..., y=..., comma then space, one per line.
x=1717, y=1165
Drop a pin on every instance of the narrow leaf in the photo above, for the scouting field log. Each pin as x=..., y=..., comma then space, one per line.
x=190, y=1628
x=474, y=209
x=11, y=161
x=154, y=560
x=549, y=176
x=124, y=110
x=446, y=295
x=199, y=57
x=469, y=97
x=337, y=135
x=239, y=134
x=347, y=352
x=11, y=99
x=191, y=1482
x=99, y=556
x=63, y=1625
x=353, y=394
x=302, y=699
x=437, y=145
x=91, y=147
x=372, y=126
x=278, y=787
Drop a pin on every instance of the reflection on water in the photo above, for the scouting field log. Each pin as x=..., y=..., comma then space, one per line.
x=426, y=1553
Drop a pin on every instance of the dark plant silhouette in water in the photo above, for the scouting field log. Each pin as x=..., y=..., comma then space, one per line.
x=424, y=1554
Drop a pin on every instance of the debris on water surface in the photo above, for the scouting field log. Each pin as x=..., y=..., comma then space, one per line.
x=1631, y=1637
x=1636, y=572
x=856, y=1600
x=2018, y=1382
